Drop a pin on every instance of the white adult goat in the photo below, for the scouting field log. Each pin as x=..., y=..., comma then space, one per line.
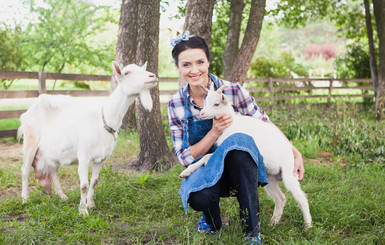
x=277, y=152
x=58, y=130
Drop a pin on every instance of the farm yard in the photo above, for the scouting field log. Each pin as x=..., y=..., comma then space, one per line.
x=343, y=151
x=316, y=67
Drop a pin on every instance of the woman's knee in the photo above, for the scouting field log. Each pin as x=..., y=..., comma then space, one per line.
x=203, y=200
x=239, y=158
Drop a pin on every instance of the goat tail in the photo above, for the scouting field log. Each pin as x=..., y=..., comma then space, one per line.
x=20, y=133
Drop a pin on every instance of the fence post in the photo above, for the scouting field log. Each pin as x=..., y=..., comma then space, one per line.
x=330, y=92
x=271, y=90
x=41, y=86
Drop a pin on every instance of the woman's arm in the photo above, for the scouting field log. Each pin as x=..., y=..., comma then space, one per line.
x=220, y=123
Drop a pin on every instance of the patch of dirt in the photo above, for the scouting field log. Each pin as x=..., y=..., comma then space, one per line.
x=10, y=154
x=324, y=159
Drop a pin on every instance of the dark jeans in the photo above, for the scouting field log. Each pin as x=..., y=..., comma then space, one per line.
x=240, y=179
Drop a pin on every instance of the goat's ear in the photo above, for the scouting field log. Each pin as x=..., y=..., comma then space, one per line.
x=145, y=99
x=224, y=99
x=144, y=67
x=117, y=70
x=221, y=89
x=204, y=90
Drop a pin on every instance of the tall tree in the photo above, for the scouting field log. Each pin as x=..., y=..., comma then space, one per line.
x=199, y=14
x=233, y=33
x=250, y=41
x=372, y=53
x=126, y=49
x=59, y=37
x=198, y=19
x=379, y=13
x=154, y=151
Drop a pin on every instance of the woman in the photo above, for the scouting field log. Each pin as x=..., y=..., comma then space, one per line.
x=230, y=171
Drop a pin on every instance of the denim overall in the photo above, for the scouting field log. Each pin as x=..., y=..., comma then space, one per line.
x=228, y=161
x=194, y=131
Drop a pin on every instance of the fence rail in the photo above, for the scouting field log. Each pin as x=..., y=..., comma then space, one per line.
x=273, y=89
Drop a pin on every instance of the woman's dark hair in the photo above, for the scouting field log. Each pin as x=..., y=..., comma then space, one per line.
x=193, y=42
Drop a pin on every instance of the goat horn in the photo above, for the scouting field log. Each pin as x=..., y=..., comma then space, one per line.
x=221, y=89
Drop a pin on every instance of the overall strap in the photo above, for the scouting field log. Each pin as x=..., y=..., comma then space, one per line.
x=188, y=114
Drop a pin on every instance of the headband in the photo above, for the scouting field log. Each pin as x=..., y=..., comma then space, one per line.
x=177, y=40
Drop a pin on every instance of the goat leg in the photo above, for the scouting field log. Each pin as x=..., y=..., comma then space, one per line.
x=45, y=179
x=190, y=169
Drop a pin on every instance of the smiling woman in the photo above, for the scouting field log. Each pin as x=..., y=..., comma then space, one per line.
x=238, y=171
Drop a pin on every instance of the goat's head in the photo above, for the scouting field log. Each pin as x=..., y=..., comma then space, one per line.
x=135, y=80
x=215, y=103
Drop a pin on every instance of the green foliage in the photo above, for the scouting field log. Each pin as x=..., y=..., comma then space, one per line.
x=143, y=178
x=219, y=36
x=11, y=55
x=296, y=13
x=354, y=63
x=286, y=66
x=64, y=36
x=349, y=17
x=344, y=130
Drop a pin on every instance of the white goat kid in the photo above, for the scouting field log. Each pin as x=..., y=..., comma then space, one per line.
x=273, y=146
x=59, y=130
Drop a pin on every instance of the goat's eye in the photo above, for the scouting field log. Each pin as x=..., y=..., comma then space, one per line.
x=216, y=104
x=126, y=73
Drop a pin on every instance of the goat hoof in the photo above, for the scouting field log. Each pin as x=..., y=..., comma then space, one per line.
x=83, y=212
x=63, y=197
x=91, y=205
x=274, y=222
x=307, y=227
x=184, y=174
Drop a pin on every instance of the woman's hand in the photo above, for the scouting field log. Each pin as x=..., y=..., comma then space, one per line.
x=220, y=123
x=299, y=169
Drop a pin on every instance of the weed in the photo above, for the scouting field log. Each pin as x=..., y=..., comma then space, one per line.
x=143, y=178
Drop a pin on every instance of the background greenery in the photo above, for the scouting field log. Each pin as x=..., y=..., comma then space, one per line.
x=343, y=181
x=80, y=37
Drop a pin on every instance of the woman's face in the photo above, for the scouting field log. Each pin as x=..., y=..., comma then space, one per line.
x=194, y=66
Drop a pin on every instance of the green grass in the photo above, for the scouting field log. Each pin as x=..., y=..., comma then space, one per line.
x=345, y=188
x=9, y=123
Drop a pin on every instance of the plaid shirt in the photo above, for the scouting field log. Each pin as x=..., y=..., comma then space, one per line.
x=242, y=102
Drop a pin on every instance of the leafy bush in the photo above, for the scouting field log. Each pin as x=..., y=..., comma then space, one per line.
x=284, y=67
x=344, y=130
x=354, y=63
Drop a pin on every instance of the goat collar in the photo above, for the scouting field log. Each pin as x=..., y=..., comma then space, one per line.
x=108, y=128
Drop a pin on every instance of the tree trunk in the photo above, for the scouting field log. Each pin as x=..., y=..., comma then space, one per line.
x=126, y=49
x=372, y=53
x=154, y=151
x=198, y=21
x=379, y=13
x=199, y=14
x=233, y=34
x=250, y=41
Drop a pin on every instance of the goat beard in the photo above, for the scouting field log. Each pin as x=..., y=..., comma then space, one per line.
x=45, y=179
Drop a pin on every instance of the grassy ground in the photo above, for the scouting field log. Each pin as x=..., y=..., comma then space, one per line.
x=344, y=182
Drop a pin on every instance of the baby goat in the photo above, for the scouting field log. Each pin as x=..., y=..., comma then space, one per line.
x=274, y=147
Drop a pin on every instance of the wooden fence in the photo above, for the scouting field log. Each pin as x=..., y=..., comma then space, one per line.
x=268, y=90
